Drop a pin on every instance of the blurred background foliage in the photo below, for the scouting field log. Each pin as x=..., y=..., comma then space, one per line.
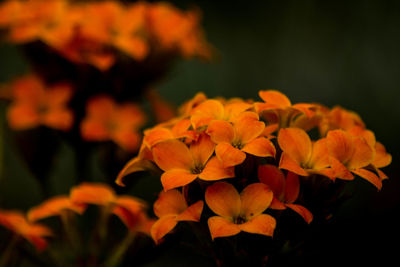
x=333, y=52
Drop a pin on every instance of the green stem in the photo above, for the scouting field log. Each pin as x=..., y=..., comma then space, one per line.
x=70, y=231
x=9, y=250
x=119, y=252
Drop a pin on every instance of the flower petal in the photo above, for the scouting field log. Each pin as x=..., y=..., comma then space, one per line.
x=205, y=112
x=169, y=202
x=172, y=154
x=156, y=135
x=287, y=163
x=220, y=131
x=221, y=227
x=275, y=97
x=192, y=213
x=229, y=155
x=302, y=211
x=202, y=149
x=214, y=170
x=262, y=224
x=292, y=187
x=260, y=147
x=223, y=199
x=370, y=177
x=93, y=193
x=340, y=145
x=176, y=177
x=255, y=198
x=248, y=127
x=363, y=154
x=382, y=158
x=273, y=177
x=163, y=226
x=296, y=143
x=320, y=156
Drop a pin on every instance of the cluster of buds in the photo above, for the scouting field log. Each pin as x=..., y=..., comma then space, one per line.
x=96, y=33
x=248, y=158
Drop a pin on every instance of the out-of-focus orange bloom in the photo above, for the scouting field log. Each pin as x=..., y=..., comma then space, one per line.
x=172, y=208
x=339, y=118
x=129, y=209
x=182, y=165
x=302, y=156
x=351, y=154
x=107, y=120
x=35, y=105
x=279, y=106
x=54, y=206
x=242, y=212
x=177, y=30
x=33, y=232
x=243, y=136
x=286, y=191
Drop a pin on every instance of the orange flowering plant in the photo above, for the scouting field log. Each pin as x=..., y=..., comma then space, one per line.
x=251, y=169
x=73, y=246
x=93, y=66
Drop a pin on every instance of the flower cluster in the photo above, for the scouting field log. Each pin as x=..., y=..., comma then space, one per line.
x=264, y=150
x=131, y=211
x=36, y=104
x=95, y=32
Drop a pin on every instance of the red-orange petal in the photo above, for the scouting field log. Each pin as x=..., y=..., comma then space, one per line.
x=202, y=149
x=382, y=158
x=273, y=177
x=262, y=224
x=340, y=145
x=214, y=170
x=223, y=199
x=163, y=226
x=176, y=177
x=205, y=112
x=292, y=187
x=302, y=211
x=172, y=154
x=221, y=227
x=260, y=147
x=229, y=155
x=296, y=143
x=363, y=154
x=255, y=198
x=192, y=213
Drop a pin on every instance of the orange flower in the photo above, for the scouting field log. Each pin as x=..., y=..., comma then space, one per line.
x=286, y=191
x=172, y=208
x=106, y=120
x=182, y=165
x=243, y=136
x=129, y=209
x=242, y=212
x=212, y=109
x=351, y=154
x=302, y=156
x=55, y=206
x=35, y=105
x=281, y=108
x=175, y=29
x=33, y=232
x=340, y=118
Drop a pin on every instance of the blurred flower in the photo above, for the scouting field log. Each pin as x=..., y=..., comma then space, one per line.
x=54, y=206
x=33, y=104
x=107, y=120
x=16, y=222
x=172, y=208
x=242, y=212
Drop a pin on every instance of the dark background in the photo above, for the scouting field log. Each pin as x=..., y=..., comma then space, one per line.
x=333, y=52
